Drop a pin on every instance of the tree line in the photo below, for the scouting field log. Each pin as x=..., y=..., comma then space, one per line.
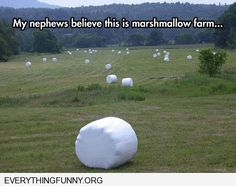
x=53, y=40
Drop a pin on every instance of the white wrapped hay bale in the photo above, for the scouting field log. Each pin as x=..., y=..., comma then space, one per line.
x=86, y=61
x=128, y=52
x=45, y=59
x=112, y=50
x=189, y=57
x=197, y=50
x=127, y=82
x=119, y=52
x=69, y=52
x=106, y=143
x=111, y=79
x=28, y=64
x=108, y=66
x=154, y=55
x=54, y=59
x=166, y=58
x=158, y=54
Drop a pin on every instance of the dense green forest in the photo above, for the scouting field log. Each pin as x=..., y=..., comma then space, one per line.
x=133, y=37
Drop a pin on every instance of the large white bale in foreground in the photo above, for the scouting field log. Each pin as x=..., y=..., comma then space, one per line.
x=127, y=82
x=28, y=64
x=111, y=79
x=106, y=143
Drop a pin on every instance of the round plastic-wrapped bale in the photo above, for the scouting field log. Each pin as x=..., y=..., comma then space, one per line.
x=28, y=64
x=45, y=59
x=127, y=82
x=108, y=66
x=86, y=61
x=106, y=143
x=166, y=58
x=189, y=57
x=54, y=59
x=111, y=79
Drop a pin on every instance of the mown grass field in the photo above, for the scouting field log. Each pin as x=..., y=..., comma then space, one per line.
x=185, y=122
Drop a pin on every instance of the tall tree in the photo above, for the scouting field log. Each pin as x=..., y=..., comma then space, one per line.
x=46, y=42
x=8, y=41
x=156, y=38
x=136, y=39
x=226, y=37
x=184, y=38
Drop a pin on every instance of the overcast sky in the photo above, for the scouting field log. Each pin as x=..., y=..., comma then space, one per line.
x=72, y=3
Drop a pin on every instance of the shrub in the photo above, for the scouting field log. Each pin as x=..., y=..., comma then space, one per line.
x=211, y=61
x=94, y=87
x=131, y=95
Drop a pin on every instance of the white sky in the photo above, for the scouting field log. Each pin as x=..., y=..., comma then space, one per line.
x=73, y=3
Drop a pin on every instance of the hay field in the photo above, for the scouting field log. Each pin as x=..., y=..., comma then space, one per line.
x=185, y=122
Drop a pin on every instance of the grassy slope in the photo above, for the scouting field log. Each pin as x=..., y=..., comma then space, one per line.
x=182, y=126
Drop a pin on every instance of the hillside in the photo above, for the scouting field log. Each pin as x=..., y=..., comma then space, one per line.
x=145, y=11
x=25, y=4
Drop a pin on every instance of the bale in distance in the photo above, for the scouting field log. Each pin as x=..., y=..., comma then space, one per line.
x=106, y=143
x=154, y=55
x=28, y=64
x=166, y=58
x=108, y=66
x=54, y=59
x=128, y=52
x=111, y=79
x=127, y=82
x=45, y=59
x=86, y=61
x=189, y=57
x=119, y=52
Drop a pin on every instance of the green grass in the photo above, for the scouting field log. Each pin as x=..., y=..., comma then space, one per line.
x=185, y=122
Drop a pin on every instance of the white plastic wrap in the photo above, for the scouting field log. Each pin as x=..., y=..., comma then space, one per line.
x=86, y=61
x=45, y=59
x=127, y=82
x=154, y=55
x=189, y=57
x=111, y=79
x=106, y=143
x=108, y=66
x=166, y=58
x=54, y=59
x=28, y=64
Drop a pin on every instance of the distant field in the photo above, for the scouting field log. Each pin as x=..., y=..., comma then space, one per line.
x=185, y=122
